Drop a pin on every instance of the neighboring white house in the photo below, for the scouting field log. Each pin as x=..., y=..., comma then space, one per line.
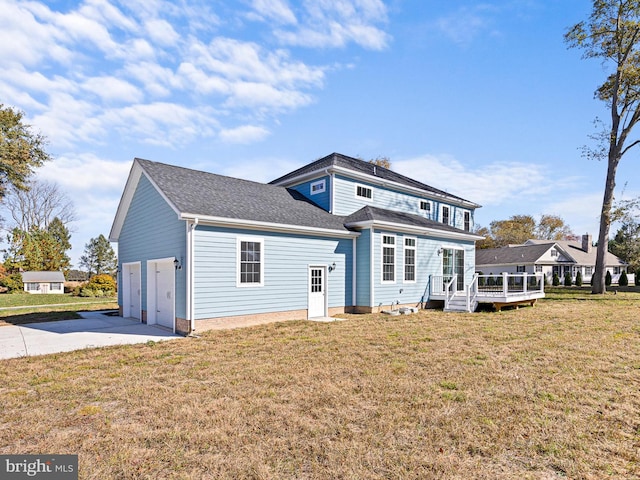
x=43, y=282
x=548, y=257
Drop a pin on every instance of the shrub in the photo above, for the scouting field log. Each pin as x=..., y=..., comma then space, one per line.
x=568, y=281
x=607, y=279
x=579, y=279
x=637, y=278
x=624, y=280
x=104, y=283
x=13, y=283
x=86, y=292
x=556, y=280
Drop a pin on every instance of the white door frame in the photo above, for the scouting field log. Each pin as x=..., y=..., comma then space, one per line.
x=325, y=286
x=151, y=291
x=127, y=270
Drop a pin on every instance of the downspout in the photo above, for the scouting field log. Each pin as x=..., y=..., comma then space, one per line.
x=371, y=268
x=354, y=269
x=191, y=274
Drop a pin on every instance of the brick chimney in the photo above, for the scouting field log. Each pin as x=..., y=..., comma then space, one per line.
x=586, y=243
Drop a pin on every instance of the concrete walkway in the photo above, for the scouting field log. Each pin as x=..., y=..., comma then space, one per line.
x=95, y=329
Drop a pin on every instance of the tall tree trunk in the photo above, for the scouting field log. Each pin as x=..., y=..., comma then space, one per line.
x=598, y=284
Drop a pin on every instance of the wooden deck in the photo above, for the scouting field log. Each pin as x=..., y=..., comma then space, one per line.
x=501, y=291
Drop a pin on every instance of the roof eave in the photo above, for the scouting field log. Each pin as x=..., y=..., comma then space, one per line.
x=266, y=226
x=375, y=180
x=137, y=170
x=399, y=227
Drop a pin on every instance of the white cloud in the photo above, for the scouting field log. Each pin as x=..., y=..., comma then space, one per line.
x=113, y=89
x=274, y=11
x=244, y=134
x=86, y=172
x=491, y=184
x=161, y=32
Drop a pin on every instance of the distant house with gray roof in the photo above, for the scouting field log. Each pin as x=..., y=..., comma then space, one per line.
x=198, y=250
x=43, y=282
x=549, y=258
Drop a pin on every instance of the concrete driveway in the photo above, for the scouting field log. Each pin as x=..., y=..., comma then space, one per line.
x=95, y=329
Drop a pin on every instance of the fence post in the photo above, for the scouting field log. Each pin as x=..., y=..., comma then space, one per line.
x=505, y=283
x=524, y=282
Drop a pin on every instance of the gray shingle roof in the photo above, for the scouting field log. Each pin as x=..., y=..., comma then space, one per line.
x=57, y=277
x=369, y=213
x=580, y=256
x=211, y=195
x=518, y=255
x=531, y=253
x=361, y=166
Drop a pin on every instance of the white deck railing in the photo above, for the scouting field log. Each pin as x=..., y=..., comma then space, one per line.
x=488, y=286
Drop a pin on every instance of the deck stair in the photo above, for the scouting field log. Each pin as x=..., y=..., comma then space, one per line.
x=458, y=303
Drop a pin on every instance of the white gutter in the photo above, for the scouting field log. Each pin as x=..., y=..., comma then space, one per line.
x=379, y=181
x=434, y=232
x=372, y=268
x=354, y=268
x=267, y=226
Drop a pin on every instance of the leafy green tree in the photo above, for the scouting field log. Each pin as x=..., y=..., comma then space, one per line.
x=99, y=257
x=552, y=227
x=612, y=36
x=519, y=228
x=624, y=280
x=39, y=249
x=21, y=150
x=626, y=242
x=568, y=281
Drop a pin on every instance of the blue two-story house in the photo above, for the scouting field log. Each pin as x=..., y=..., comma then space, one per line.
x=198, y=250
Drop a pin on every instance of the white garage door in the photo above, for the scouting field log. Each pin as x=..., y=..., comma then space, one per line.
x=161, y=301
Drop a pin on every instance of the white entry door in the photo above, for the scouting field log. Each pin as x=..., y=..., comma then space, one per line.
x=317, y=292
x=131, y=290
x=160, y=292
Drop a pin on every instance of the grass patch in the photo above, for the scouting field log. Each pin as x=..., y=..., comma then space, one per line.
x=21, y=308
x=544, y=392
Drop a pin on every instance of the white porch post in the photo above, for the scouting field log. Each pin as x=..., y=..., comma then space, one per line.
x=524, y=282
x=505, y=286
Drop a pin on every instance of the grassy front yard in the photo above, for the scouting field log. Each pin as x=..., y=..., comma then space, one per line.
x=544, y=392
x=19, y=309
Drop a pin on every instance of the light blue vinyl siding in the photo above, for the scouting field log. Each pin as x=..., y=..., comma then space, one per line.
x=346, y=202
x=428, y=262
x=363, y=265
x=323, y=200
x=286, y=270
x=152, y=230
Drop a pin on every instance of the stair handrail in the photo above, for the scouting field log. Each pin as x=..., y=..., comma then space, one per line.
x=451, y=285
x=472, y=288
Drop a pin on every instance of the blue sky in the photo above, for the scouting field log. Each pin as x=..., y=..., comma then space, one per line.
x=481, y=99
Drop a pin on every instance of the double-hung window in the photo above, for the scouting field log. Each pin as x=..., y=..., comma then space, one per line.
x=250, y=262
x=467, y=221
x=445, y=215
x=388, y=259
x=409, y=259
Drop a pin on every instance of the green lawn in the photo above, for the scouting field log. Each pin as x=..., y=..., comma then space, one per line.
x=24, y=308
x=531, y=393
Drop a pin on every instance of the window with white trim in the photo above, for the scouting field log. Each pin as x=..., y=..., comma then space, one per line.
x=445, y=214
x=388, y=259
x=425, y=208
x=318, y=187
x=521, y=268
x=364, y=192
x=56, y=286
x=33, y=287
x=467, y=221
x=538, y=268
x=409, y=259
x=250, y=262
x=588, y=270
x=554, y=252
